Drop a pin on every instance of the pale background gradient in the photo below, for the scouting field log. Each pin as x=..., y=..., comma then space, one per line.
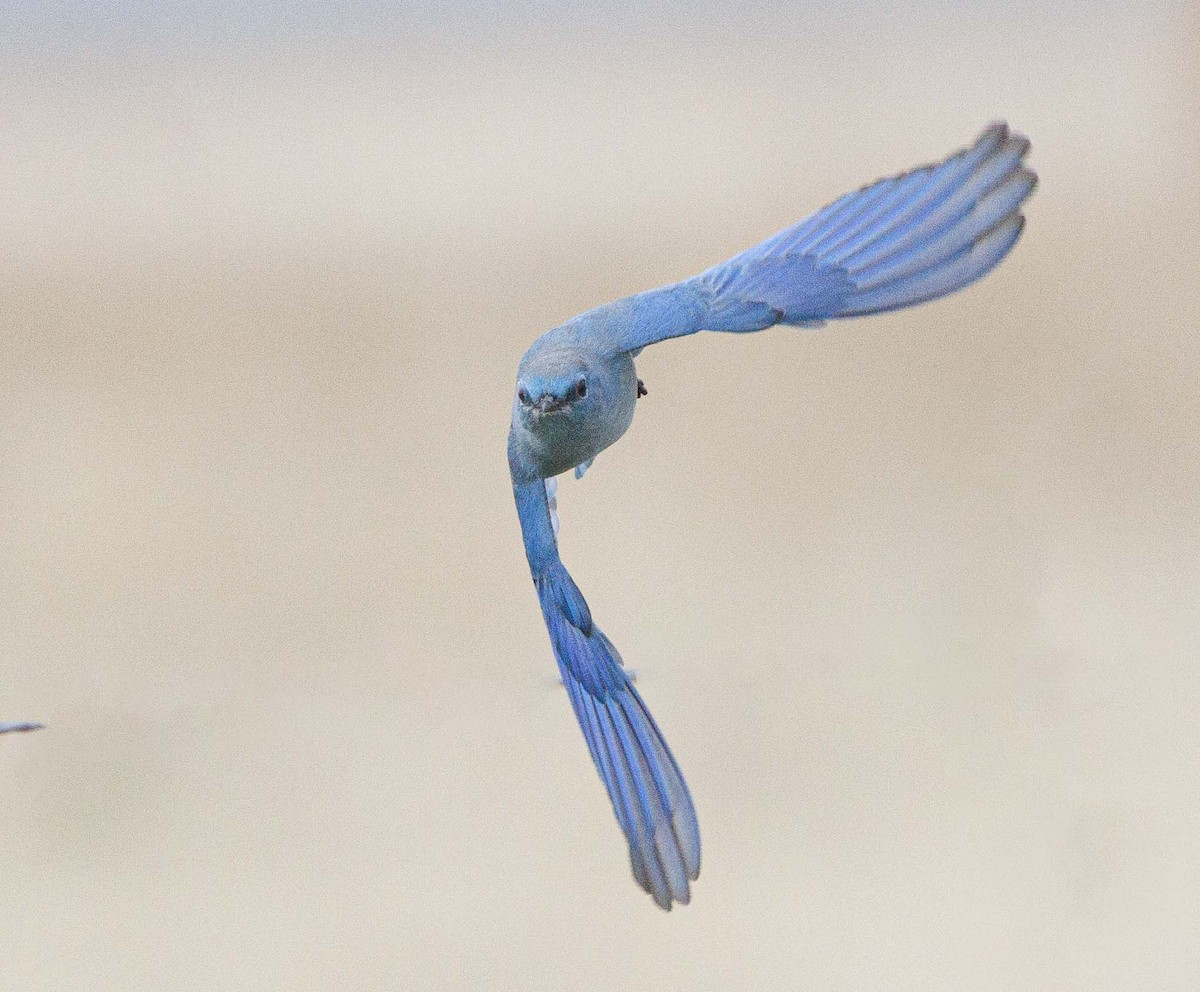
x=915, y=598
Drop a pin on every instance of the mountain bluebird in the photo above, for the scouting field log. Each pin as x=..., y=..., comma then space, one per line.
x=897, y=242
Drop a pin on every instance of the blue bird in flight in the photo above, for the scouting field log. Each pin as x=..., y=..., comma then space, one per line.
x=896, y=242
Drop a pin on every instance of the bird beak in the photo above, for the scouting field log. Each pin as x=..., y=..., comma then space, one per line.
x=548, y=404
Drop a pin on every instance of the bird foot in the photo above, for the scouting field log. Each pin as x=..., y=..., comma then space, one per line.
x=642, y=390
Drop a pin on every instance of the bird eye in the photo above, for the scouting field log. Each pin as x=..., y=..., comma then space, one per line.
x=581, y=387
x=523, y=396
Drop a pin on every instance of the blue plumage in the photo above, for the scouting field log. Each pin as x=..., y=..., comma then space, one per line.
x=897, y=242
x=647, y=790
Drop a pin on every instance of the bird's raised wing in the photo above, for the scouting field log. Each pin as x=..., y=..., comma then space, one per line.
x=647, y=789
x=891, y=244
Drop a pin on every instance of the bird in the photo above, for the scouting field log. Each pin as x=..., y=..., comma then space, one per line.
x=893, y=243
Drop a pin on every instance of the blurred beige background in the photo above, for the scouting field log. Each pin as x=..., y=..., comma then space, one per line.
x=915, y=598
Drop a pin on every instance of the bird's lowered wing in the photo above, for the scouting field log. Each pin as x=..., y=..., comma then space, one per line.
x=648, y=793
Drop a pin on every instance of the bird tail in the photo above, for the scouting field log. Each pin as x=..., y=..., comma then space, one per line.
x=649, y=795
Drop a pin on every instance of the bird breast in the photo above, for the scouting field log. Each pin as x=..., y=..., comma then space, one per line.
x=555, y=443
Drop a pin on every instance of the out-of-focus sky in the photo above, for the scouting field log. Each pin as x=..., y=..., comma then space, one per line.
x=916, y=598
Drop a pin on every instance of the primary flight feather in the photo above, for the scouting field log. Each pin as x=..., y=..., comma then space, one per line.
x=896, y=242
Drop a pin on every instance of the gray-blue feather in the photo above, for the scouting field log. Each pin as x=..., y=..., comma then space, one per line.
x=897, y=242
x=648, y=793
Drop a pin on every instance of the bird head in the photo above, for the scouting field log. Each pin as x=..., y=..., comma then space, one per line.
x=555, y=386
